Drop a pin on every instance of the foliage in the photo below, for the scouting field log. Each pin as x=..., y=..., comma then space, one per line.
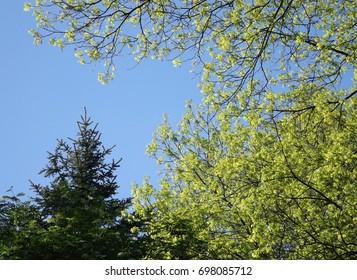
x=20, y=228
x=76, y=216
x=265, y=167
x=233, y=42
x=267, y=187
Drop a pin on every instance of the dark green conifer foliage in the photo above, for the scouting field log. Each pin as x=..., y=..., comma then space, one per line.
x=83, y=219
x=21, y=228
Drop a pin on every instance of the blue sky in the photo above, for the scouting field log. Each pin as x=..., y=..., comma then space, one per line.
x=43, y=93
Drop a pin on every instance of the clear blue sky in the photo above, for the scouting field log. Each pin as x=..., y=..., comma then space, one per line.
x=43, y=93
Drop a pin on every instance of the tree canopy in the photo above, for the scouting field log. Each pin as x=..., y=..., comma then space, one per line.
x=236, y=43
x=265, y=166
x=278, y=189
x=76, y=216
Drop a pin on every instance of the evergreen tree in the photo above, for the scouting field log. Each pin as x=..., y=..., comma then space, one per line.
x=82, y=218
x=21, y=228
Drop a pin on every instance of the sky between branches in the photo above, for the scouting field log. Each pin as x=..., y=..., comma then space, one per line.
x=44, y=91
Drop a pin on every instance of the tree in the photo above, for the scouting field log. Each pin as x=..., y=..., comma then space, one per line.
x=265, y=167
x=20, y=228
x=278, y=189
x=77, y=215
x=236, y=43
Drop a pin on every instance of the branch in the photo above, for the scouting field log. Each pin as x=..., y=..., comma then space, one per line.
x=350, y=95
x=309, y=186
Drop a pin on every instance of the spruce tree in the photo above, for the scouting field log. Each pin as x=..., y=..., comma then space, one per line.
x=83, y=218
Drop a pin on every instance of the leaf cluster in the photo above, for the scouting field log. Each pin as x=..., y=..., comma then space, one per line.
x=253, y=185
